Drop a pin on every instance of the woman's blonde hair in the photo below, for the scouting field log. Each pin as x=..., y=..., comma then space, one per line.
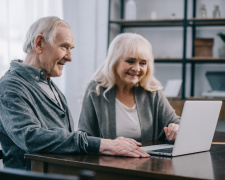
x=126, y=45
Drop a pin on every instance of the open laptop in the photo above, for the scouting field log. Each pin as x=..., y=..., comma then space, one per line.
x=196, y=130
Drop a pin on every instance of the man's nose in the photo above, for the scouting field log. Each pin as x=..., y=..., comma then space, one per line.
x=68, y=56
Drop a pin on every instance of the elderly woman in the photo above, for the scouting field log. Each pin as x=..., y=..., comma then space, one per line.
x=124, y=98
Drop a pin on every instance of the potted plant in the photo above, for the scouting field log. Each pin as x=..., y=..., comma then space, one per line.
x=222, y=49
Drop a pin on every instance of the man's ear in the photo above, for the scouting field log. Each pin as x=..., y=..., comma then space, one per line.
x=39, y=42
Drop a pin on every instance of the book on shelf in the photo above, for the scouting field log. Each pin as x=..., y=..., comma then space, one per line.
x=172, y=88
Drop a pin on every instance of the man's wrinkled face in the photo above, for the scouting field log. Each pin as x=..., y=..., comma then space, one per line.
x=55, y=56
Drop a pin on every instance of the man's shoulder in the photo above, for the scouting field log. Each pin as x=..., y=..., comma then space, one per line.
x=11, y=82
x=10, y=77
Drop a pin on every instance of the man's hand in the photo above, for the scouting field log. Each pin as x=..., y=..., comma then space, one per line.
x=171, y=131
x=122, y=147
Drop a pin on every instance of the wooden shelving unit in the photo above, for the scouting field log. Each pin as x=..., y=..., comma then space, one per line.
x=147, y=22
x=184, y=23
x=205, y=60
x=206, y=22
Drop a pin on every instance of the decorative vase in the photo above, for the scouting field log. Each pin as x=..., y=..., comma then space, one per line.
x=222, y=51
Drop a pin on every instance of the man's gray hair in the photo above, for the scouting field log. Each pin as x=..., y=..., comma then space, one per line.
x=46, y=26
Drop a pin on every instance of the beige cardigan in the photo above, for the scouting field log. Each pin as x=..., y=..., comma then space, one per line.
x=98, y=116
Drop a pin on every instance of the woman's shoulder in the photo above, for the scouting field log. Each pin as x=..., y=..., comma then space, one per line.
x=92, y=88
x=92, y=85
x=141, y=89
x=158, y=94
x=154, y=95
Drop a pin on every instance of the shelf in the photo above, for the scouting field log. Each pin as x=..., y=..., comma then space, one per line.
x=206, y=60
x=196, y=98
x=206, y=98
x=169, y=22
x=168, y=60
x=206, y=22
x=148, y=22
x=190, y=60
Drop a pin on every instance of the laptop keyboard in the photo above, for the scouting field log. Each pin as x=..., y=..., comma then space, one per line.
x=166, y=150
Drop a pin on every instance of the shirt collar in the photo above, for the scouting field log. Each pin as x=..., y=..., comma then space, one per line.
x=36, y=73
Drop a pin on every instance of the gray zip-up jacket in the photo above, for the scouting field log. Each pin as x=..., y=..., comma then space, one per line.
x=98, y=115
x=31, y=122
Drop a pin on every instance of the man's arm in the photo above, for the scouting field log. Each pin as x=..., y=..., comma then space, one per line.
x=26, y=131
x=31, y=134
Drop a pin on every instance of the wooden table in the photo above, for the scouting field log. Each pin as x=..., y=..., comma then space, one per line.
x=205, y=165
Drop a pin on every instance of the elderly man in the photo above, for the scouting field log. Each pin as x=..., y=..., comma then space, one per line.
x=34, y=114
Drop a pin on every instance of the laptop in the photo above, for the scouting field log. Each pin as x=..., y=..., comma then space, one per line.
x=196, y=130
x=217, y=84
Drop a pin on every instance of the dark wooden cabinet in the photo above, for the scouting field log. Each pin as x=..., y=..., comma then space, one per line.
x=178, y=104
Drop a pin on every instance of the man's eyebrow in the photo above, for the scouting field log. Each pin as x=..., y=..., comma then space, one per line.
x=68, y=44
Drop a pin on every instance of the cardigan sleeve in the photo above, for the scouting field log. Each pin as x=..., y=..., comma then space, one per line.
x=25, y=130
x=166, y=113
x=88, y=121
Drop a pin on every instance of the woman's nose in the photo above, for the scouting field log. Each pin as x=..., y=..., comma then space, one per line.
x=136, y=67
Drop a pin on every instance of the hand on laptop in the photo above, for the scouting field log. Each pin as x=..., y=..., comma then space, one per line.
x=171, y=131
x=122, y=147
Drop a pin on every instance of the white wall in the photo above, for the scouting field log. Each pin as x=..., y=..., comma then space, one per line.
x=88, y=21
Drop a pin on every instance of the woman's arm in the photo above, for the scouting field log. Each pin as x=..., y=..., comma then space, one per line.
x=88, y=121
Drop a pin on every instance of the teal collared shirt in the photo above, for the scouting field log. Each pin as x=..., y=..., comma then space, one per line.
x=46, y=84
x=31, y=122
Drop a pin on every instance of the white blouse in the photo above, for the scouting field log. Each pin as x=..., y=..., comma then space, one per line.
x=127, y=121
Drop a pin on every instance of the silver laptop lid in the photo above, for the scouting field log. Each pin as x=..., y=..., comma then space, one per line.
x=197, y=127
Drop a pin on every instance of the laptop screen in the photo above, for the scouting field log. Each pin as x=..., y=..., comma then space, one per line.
x=216, y=80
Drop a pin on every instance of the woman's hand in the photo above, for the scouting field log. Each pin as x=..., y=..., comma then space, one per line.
x=171, y=131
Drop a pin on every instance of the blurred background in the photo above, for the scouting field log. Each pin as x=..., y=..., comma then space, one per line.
x=90, y=21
